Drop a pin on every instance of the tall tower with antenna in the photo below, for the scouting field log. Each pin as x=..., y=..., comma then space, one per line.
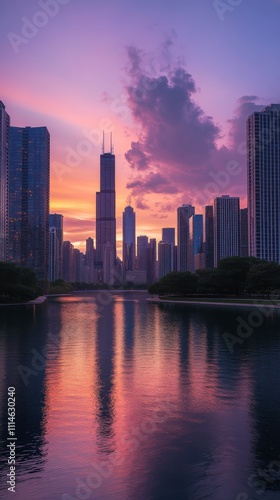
x=106, y=207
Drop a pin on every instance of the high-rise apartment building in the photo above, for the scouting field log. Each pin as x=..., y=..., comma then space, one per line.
x=184, y=248
x=226, y=228
x=244, y=232
x=142, y=246
x=209, y=236
x=68, y=261
x=29, y=179
x=55, y=242
x=168, y=235
x=106, y=209
x=165, y=258
x=4, y=182
x=128, y=239
x=151, y=260
x=263, y=161
x=90, y=253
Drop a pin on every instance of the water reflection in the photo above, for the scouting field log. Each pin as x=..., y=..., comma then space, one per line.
x=147, y=398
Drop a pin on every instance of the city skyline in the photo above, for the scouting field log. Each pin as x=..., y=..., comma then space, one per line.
x=83, y=85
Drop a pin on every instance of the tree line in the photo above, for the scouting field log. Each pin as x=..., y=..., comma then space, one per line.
x=233, y=276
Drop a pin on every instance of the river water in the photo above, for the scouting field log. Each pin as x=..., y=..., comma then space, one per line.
x=118, y=398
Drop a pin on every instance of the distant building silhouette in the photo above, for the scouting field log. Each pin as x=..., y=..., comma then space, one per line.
x=128, y=239
x=68, y=261
x=244, y=232
x=151, y=260
x=56, y=242
x=226, y=228
x=209, y=236
x=142, y=246
x=184, y=249
x=165, y=258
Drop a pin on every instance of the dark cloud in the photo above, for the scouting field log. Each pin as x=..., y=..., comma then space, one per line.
x=152, y=183
x=176, y=150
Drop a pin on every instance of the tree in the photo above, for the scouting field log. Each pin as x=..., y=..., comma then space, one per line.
x=264, y=277
x=175, y=283
x=233, y=271
x=28, y=277
x=9, y=274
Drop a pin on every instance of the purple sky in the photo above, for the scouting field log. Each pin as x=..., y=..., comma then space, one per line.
x=174, y=81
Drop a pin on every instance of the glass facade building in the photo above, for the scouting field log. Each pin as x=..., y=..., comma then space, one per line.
x=209, y=236
x=106, y=208
x=184, y=249
x=29, y=178
x=263, y=162
x=56, y=242
x=128, y=239
x=4, y=182
x=226, y=228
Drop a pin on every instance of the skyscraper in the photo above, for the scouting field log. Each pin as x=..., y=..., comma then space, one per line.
x=151, y=260
x=209, y=236
x=142, y=246
x=106, y=208
x=184, y=250
x=68, y=261
x=168, y=236
x=29, y=179
x=4, y=182
x=165, y=258
x=226, y=228
x=263, y=161
x=90, y=253
x=56, y=242
x=244, y=232
x=128, y=239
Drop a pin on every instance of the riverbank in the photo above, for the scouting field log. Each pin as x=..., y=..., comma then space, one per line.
x=224, y=302
x=35, y=302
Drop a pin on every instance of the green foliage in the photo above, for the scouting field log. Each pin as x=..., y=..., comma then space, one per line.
x=60, y=286
x=17, y=293
x=10, y=274
x=264, y=277
x=232, y=273
x=28, y=277
x=175, y=283
x=17, y=284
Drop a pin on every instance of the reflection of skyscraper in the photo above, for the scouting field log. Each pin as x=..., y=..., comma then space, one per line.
x=106, y=208
x=128, y=239
x=226, y=228
x=4, y=186
x=56, y=242
x=209, y=236
x=184, y=253
x=29, y=198
x=263, y=153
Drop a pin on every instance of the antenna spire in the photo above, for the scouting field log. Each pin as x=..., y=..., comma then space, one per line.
x=111, y=143
x=103, y=144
